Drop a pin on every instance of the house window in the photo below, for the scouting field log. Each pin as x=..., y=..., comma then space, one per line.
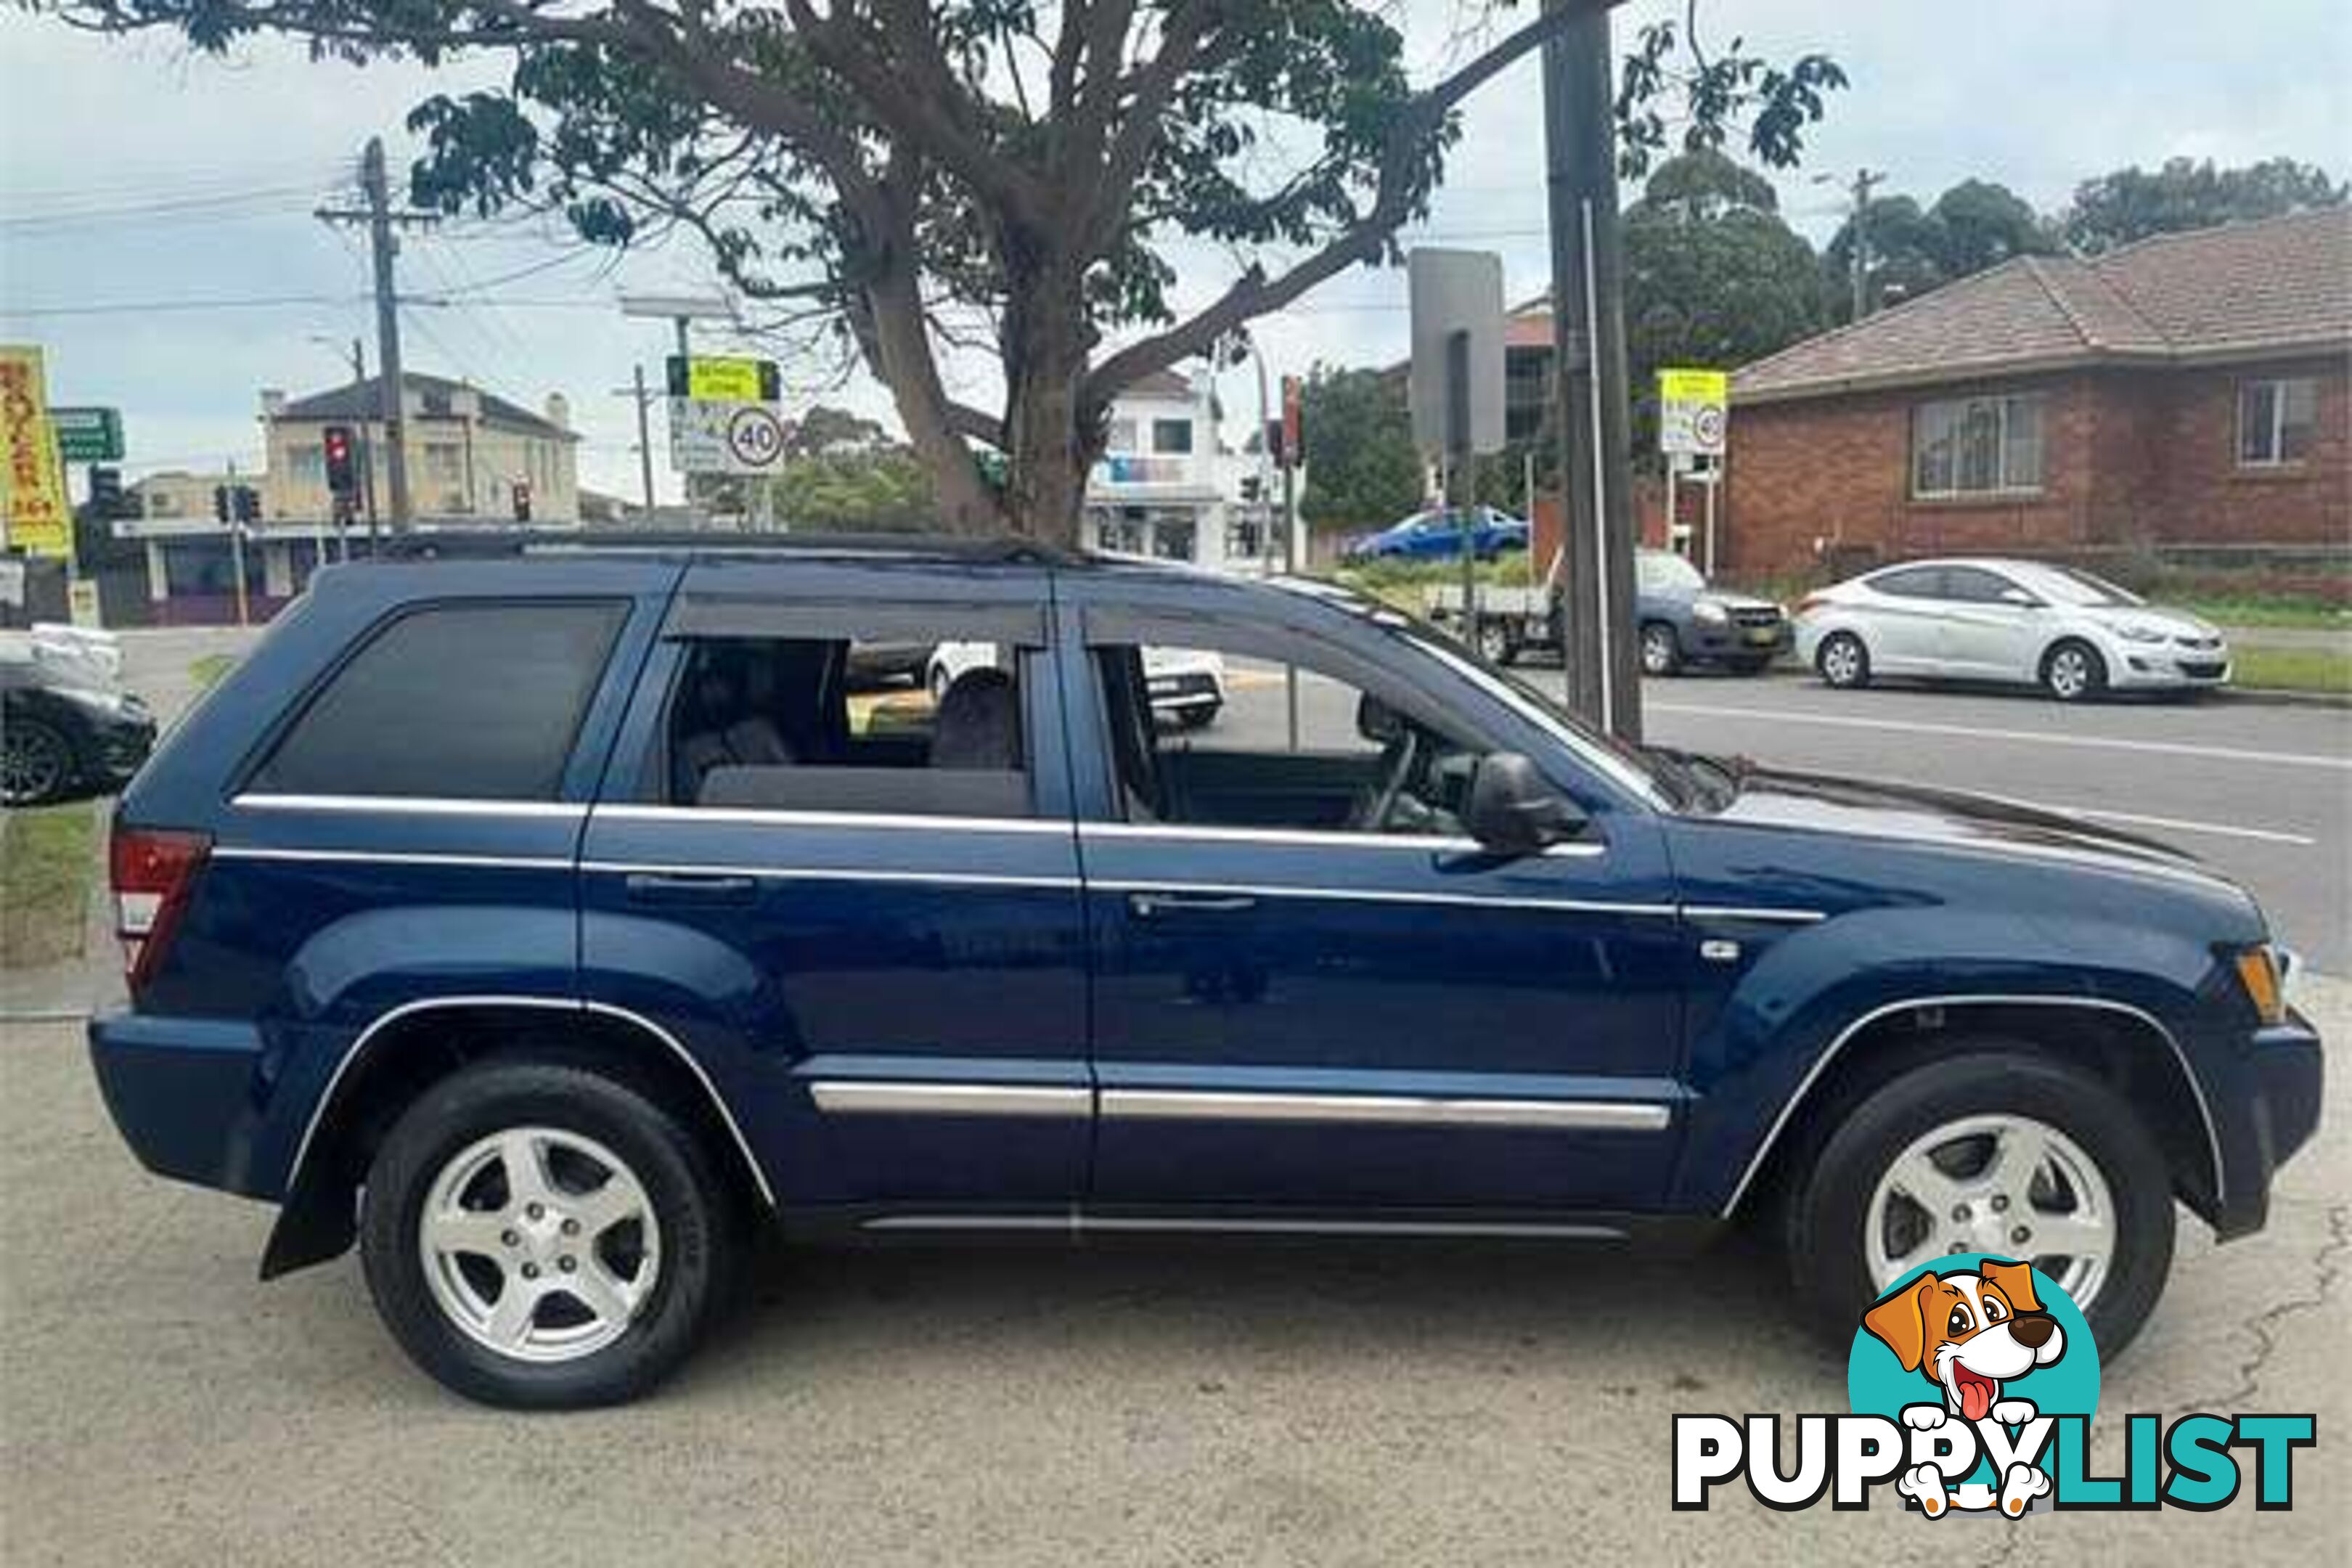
x=1121, y=437
x=1976, y=446
x=1174, y=436
x=2276, y=420
x=442, y=463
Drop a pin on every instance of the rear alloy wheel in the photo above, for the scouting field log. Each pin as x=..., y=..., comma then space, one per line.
x=1662, y=653
x=1496, y=644
x=538, y=1235
x=37, y=763
x=1843, y=662
x=1994, y=1148
x=2074, y=672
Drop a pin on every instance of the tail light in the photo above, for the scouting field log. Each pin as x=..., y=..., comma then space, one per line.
x=153, y=872
x=1808, y=605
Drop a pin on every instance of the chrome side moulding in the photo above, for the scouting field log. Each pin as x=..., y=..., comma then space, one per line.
x=869, y=1097
x=1383, y=1110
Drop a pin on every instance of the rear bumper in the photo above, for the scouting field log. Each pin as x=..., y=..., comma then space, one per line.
x=185, y=1093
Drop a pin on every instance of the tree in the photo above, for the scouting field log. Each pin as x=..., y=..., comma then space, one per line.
x=910, y=173
x=1980, y=224
x=879, y=492
x=1363, y=470
x=2132, y=204
x=823, y=430
x=1713, y=277
x=1906, y=255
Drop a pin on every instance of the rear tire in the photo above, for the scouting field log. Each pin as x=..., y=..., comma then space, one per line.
x=492, y=1183
x=37, y=763
x=2074, y=671
x=1496, y=644
x=1843, y=662
x=1851, y=1208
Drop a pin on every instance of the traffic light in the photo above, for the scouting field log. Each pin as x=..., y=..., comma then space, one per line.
x=1252, y=489
x=220, y=504
x=343, y=467
x=106, y=498
x=244, y=502
x=522, y=500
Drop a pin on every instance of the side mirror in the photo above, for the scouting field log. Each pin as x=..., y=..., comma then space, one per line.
x=1513, y=811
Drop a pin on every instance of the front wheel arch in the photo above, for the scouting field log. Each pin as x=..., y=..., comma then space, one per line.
x=2124, y=1046
x=403, y=1054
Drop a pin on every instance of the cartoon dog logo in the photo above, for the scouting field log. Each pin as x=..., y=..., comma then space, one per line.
x=1969, y=1335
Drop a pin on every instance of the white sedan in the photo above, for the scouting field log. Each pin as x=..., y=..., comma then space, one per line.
x=2022, y=622
x=1187, y=685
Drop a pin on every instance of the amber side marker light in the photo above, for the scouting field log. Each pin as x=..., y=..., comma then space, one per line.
x=2258, y=972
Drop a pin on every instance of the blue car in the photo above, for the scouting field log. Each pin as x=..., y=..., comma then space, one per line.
x=545, y=924
x=1437, y=536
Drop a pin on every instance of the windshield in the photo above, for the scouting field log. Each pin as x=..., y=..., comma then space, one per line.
x=2065, y=586
x=1628, y=766
x=1662, y=572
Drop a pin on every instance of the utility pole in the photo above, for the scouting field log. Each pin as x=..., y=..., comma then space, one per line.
x=1603, y=672
x=644, y=399
x=383, y=245
x=1858, y=252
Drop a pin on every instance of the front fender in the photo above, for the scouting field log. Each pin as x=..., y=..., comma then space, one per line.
x=1762, y=1045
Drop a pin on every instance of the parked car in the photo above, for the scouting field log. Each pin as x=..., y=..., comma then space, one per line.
x=539, y=988
x=1436, y=535
x=64, y=729
x=2018, y=622
x=873, y=663
x=93, y=656
x=1187, y=686
x=1683, y=621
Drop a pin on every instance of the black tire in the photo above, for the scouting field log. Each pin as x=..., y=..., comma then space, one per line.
x=1661, y=651
x=1848, y=668
x=37, y=763
x=2074, y=671
x=1198, y=718
x=1827, y=1206
x=1496, y=644
x=699, y=1244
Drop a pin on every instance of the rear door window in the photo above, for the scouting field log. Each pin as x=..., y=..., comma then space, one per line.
x=476, y=702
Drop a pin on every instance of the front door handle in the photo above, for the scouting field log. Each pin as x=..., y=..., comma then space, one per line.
x=1145, y=905
x=687, y=888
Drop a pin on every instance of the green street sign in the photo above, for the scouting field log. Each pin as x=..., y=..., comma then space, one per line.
x=88, y=435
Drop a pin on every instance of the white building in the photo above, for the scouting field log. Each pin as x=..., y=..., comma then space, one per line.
x=1167, y=487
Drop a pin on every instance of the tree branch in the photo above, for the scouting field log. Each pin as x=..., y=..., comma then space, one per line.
x=1255, y=294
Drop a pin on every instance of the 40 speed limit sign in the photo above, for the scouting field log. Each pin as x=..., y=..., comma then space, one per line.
x=724, y=435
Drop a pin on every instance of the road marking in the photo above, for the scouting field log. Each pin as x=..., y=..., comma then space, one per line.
x=2171, y=824
x=2030, y=737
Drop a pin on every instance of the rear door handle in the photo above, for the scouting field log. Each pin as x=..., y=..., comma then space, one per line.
x=687, y=888
x=1145, y=905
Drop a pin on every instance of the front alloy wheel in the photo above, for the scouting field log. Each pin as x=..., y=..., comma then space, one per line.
x=1661, y=653
x=2074, y=672
x=2005, y=1184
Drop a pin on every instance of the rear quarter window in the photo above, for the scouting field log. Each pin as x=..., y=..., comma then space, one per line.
x=477, y=702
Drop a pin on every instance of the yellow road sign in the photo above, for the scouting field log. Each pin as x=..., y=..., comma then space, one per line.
x=37, y=513
x=1693, y=386
x=723, y=379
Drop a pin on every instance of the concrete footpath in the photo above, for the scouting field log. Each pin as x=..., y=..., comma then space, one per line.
x=1278, y=1405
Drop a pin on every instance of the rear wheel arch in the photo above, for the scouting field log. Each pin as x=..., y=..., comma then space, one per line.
x=399, y=1056
x=2125, y=1048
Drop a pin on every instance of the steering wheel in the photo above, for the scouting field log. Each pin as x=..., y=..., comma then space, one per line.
x=1382, y=799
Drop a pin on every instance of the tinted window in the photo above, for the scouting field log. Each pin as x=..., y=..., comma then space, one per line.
x=1911, y=583
x=473, y=702
x=1975, y=585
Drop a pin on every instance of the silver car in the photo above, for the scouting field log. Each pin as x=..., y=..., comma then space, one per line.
x=2024, y=622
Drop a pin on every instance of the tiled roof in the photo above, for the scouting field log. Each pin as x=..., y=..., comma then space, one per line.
x=359, y=401
x=2280, y=284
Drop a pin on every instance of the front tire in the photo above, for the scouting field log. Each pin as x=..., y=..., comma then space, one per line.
x=37, y=763
x=538, y=1235
x=1993, y=1147
x=1661, y=651
x=1843, y=662
x=2074, y=671
x=1496, y=644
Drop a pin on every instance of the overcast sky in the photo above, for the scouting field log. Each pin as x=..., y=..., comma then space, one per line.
x=134, y=173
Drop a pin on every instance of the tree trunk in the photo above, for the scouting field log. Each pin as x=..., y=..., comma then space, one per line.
x=901, y=350
x=1051, y=436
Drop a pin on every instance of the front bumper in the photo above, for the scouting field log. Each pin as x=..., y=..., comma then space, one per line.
x=2156, y=667
x=2269, y=1112
x=1737, y=642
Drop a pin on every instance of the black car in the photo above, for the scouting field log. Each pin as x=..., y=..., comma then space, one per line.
x=62, y=736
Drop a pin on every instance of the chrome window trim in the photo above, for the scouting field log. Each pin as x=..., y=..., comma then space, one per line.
x=1384, y=896
x=1383, y=1110
x=550, y=1004
x=394, y=857
x=880, y=1096
x=757, y=816
x=1424, y=842
x=832, y=873
x=410, y=805
x=1821, y=1064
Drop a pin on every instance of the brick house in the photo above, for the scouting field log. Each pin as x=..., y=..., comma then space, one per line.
x=2188, y=391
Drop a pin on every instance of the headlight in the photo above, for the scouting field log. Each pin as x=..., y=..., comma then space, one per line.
x=2259, y=977
x=2143, y=633
x=1707, y=613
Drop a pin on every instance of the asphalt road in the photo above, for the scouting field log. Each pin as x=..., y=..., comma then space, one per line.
x=2262, y=790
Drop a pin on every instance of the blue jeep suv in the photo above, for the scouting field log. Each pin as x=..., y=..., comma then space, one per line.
x=544, y=922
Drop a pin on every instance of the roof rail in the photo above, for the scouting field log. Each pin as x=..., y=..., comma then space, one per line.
x=493, y=543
